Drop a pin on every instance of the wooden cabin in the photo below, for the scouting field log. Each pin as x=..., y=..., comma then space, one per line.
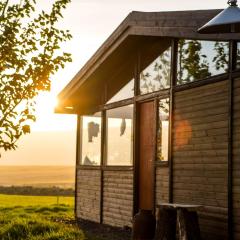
x=158, y=109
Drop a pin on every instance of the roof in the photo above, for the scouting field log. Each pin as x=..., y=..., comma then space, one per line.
x=84, y=92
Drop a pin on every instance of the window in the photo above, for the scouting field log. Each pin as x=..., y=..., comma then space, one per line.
x=126, y=92
x=238, y=56
x=91, y=140
x=120, y=136
x=201, y=59
x=157, y=75
x=163, y=130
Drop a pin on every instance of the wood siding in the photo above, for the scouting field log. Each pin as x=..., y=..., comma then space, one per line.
x=200, y=154
x=162, y=185
x=88, y=194
x=236, y=160
x=118, y=198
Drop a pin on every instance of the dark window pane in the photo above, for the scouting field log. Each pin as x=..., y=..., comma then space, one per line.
x=91, y=140
x=163, y=130
x=157, y=75
x=201, y=59
x=124, y=93
x=120, y=136
x=238, y=55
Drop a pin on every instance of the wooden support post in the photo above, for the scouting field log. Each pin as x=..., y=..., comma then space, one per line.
x=78, y=135
x=232, y=66
x=172, y=85
x=102, y=164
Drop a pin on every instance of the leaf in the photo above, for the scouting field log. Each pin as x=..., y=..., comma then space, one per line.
x=26, y=129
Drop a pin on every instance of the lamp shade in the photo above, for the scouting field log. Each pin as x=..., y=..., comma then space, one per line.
x=227, y=21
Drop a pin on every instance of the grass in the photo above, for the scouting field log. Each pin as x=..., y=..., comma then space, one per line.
x=47, y=218
x=38, y=218
x=17, y=200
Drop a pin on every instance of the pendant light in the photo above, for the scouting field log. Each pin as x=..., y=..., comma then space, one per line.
x=227, y=21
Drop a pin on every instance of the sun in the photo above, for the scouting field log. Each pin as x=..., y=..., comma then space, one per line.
x=45, y=104
x=47, y=120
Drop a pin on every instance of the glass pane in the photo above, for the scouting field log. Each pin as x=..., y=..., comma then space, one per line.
x=157, y=75
x=238, y=55
x=163, y=130
x=120, y=136
x=91, y=140
x=201, y=59
x=126, y=92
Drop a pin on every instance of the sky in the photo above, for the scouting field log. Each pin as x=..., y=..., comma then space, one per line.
x=53, y=137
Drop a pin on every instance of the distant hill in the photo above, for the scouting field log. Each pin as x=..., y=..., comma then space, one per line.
x=38, y=176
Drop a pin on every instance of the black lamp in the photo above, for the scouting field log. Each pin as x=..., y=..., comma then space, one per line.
x=227, y=21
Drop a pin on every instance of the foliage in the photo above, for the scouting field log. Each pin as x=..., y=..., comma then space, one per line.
x=221, y=58
x=157, y=75
x=29, y=54
x=192, y=63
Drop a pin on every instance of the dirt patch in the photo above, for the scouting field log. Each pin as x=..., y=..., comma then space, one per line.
x=95, y=231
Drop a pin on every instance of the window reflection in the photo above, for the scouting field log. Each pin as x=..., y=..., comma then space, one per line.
x=91, y=140
x=238, y=56
x=126, y=92
x=120, y=136
x=163, y=130
x=157, y=75
x=201, y=59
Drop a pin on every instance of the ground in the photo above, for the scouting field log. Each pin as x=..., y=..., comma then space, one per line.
x=48, y=218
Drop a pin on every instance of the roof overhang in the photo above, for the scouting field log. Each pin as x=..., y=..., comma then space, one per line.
x=86, y=92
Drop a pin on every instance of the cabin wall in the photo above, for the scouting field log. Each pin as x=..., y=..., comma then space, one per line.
x=88, y=194
x=162, y=185
x=118, y=198
x=236, y=159
x=200, y=154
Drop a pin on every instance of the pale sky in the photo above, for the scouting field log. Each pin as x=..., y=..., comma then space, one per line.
x=53, y=139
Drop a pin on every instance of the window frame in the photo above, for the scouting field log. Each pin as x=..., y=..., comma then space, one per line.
x=156, y=96
x=105, y=163
x=80, y=142
x=206, y=78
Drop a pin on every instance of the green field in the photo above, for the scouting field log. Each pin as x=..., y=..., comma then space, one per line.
x=47, y=218
x=24, y=201
x=38, y=218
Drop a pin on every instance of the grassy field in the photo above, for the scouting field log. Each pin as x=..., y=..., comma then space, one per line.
x=37, y=218
x=48, y=218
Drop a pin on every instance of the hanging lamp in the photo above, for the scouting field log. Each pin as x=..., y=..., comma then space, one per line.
x=227, y=21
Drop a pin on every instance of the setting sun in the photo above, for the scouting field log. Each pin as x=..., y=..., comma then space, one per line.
x=46, y=120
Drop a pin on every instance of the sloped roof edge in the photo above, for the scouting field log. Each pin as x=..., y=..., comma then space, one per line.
x=153, y=23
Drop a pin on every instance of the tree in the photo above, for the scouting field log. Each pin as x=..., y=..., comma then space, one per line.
x=192, y=63
x=29, y=55
x=221, y=58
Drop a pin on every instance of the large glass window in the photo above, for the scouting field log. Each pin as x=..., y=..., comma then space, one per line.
x=91, y=140
x=157, y=75
x=201, y=59
x=120, y=136
x=163, y=130
x=126, y=92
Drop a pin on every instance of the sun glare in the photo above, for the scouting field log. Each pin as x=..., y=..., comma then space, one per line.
x=47, y=120
x=45, y=104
